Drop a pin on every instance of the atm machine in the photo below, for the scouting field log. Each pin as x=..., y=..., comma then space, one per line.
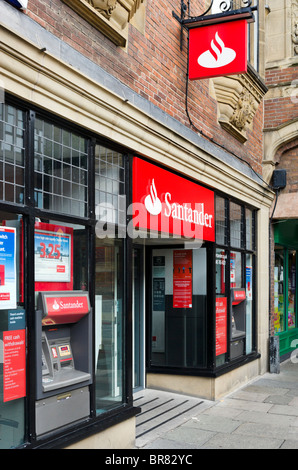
x=63, y=359
x=238, y=321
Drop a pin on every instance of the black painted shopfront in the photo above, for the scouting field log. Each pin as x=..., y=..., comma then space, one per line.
x=66, y=199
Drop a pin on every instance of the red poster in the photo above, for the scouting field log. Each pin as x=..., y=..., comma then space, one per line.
x=218, y=49
x=53, y=257
x=221, y=325
x=14, y=370
x=182, y=279
x=168, y=203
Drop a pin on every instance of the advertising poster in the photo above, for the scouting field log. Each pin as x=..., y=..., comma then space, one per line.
x=8, y=281
x=182, y=279
x=249, y=282
x=14, y=368
x=221, y=325
x=53, y=257
x=159, y=294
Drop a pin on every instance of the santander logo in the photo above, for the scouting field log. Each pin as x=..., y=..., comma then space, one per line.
x=218, y=55
x=175, y=210
x=152, y=202
x=218, y=49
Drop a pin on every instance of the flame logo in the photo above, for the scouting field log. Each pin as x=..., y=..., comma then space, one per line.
x=218, y=55
x=55, y=305
x=152, y=202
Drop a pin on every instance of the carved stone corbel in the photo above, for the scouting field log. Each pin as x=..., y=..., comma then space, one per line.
x=238, y=98
x=111, y=17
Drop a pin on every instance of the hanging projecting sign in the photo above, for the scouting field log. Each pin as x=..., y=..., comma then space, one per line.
x=167, y=203
x=218, y=49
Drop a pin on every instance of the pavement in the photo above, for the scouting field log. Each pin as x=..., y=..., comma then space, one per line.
x=262, y=414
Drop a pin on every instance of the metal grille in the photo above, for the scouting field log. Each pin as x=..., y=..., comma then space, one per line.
x=61, y=169
x=12, y=127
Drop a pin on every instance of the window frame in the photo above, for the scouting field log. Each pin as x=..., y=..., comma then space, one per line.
x=29, y=213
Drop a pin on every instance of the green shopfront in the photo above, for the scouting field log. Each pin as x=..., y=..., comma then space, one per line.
x=285, y=285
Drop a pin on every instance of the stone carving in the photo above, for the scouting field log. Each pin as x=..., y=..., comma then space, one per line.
x=295, y=38
x=111, y=17
x=238, y=98
x=105, y=7
x=244, y=111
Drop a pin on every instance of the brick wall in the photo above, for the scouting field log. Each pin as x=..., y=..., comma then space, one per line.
x=152, y=65
x=282, y=108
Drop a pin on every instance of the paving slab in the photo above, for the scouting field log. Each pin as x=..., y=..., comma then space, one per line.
x=262, y=414
x=234, y=441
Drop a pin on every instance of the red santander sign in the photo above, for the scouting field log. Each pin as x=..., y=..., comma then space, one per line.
x=218, y=49
x=170, y=204
x=63, y=308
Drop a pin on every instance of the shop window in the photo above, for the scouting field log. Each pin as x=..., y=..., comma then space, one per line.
x=12, y=333
x=179, y=309
x=12, y=127
x=279, y=298
x=291, y=289
x=285, y=287
x=234, y=305
x=61, y=171
x=109, y=278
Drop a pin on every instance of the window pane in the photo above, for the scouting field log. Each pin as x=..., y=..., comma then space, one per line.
x=12, y=127
x=249, y=302
x=12, y=325
x=179, y=307
x=109, y=320
x=236, y=225
x=279, y=300
x=57, y=158
x=292, y=289
x=249, y=229
x=220, y=261
x=235, y=273
x=109, y=181
x=221, y=221
x=238, y=307
x=221, y=307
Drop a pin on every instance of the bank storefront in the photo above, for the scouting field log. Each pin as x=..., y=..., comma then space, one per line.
x=133, y=253
x=94, y=238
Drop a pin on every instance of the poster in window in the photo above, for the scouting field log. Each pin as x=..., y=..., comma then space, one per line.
x=53, y=257
x=14, y=368
x=221, y=325
x=159, y=294
x=8, y=279
x=182, y=279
